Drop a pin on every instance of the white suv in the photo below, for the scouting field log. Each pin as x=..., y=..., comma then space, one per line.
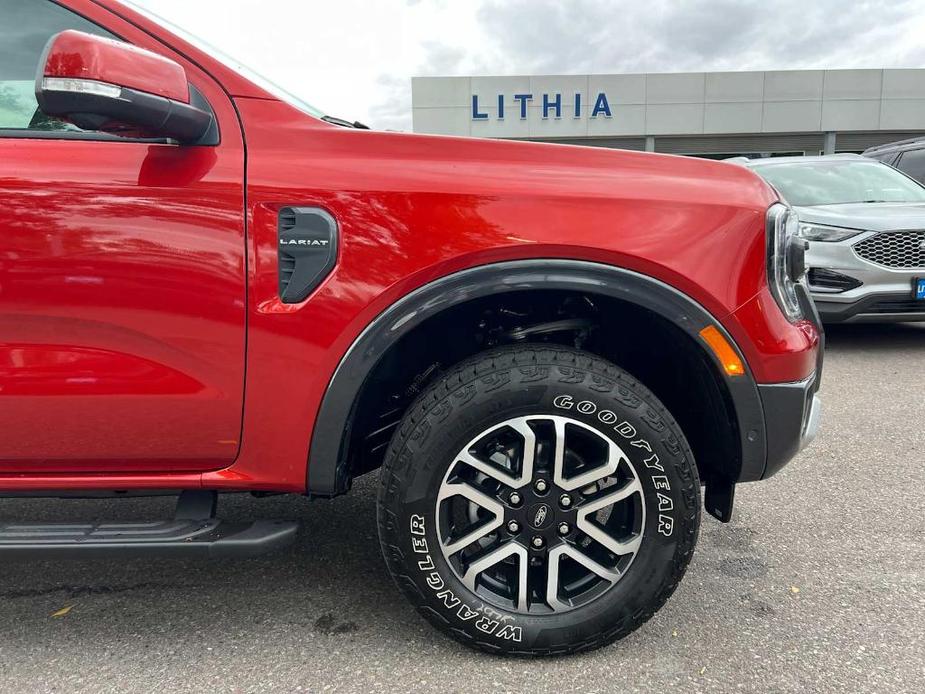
x=865, y=224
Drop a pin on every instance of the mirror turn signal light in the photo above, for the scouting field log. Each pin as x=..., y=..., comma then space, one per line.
x=727, y=356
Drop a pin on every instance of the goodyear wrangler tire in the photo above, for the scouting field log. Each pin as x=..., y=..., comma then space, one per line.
x=538, y=500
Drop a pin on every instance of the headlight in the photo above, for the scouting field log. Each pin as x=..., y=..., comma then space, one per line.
x=786, y=264
x=819, y=232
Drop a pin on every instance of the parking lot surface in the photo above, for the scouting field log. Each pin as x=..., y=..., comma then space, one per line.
x=818, y=584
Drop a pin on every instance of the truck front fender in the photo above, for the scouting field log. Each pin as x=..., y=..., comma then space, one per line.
x=329, y=452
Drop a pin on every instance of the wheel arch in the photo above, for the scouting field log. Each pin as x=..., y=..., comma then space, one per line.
x=330, y=451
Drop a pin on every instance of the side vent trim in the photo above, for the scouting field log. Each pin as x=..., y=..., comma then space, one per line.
x=307, y=245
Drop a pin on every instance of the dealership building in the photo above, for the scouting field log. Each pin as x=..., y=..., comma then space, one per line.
x=711, y=114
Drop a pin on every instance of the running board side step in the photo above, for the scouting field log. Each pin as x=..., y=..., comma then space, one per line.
x=194, y=533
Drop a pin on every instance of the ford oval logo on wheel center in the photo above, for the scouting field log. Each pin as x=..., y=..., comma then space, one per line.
x=540, y=516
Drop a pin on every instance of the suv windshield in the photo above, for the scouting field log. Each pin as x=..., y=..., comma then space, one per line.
x=835, y=182
x=224, y=58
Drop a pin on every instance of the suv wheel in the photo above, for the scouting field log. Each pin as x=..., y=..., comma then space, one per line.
x=538, y=500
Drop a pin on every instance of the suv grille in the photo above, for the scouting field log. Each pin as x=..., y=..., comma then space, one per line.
x=897, y=249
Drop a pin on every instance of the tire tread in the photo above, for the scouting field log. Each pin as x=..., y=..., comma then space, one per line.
x=471, y=371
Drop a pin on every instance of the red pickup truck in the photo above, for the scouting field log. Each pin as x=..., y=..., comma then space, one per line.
x=208, y=286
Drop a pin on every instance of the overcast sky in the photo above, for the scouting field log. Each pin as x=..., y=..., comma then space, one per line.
x=355, y=58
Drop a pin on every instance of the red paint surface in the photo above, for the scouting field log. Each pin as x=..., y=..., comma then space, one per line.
x=162, y=228
x=83, y=56
x=122, y=299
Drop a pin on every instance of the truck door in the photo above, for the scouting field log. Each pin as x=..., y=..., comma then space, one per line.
x=122, y=278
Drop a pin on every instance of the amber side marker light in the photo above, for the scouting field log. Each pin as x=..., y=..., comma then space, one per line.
x=727, y=356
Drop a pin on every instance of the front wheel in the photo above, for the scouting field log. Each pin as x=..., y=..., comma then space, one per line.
x=538, y=500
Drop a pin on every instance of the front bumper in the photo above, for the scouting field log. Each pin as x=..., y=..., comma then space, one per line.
x=792, y=412
x=885, y=294
x=893, y=307
x=777, y=421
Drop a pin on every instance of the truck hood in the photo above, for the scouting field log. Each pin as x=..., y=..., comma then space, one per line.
x=866, y=216
x=506, y=167
x=490, y=169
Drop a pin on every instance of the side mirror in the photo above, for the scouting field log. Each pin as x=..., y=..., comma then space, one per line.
x=101, y=84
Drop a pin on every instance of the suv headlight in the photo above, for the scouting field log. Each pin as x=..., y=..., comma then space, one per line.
x=786, y=259
x=820, y=232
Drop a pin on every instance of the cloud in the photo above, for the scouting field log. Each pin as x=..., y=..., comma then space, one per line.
x=441, y=59
x=391, y=111
x=663, y=36
x=358, y=57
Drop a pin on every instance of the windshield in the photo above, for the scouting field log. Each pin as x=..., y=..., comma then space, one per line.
x=224, y=58
x=835, y=182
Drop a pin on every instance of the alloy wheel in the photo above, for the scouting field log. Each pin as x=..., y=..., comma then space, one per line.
x=540, y=514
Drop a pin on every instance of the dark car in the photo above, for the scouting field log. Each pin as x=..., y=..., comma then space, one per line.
x=906, y=155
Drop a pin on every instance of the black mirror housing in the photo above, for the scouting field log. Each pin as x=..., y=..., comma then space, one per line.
x=153, y=115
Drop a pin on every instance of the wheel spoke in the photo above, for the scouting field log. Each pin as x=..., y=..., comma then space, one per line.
x=552, y=578
x=472, y=493
x=558, y=462
x=615, y=456
x=609, y=499
x=526, y=467
x=498, y=555
x=479, y=498
x=529, y=454
x=594, y=531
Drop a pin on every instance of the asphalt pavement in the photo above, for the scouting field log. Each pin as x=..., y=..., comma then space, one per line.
x=817, y=584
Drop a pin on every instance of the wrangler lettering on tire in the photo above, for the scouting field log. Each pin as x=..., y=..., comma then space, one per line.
x=538, y=500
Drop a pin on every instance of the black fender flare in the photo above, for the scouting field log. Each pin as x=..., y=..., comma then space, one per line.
x=328, y=455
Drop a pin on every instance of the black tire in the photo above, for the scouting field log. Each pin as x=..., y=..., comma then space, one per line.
x=527, y=380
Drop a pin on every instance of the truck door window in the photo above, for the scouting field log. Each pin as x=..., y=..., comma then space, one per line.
x=25, y=28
